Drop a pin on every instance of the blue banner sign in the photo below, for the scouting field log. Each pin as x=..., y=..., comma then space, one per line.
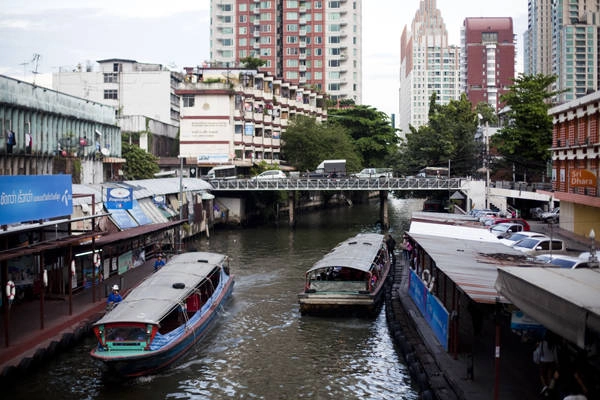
x=431, y=308
x=119, y=199
x=34, y=197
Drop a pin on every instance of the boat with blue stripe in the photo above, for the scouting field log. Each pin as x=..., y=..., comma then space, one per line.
x=164, y=316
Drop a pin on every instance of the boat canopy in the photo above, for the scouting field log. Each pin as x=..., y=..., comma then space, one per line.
x=357, y=252
x=157, y=295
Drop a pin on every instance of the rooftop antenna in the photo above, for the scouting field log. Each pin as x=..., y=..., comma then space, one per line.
x=36, y=60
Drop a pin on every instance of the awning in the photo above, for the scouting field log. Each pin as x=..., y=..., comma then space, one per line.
x=207, y=196
x=566, y=301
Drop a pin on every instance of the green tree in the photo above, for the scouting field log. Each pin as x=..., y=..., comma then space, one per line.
x=252, y=63
x=306, y=143
x=448, y=138
x=525, y=141
x=486, y=114
x=140, y=164
x=371, y=131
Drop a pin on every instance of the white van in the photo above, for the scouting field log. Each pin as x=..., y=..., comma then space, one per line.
x=222, y=172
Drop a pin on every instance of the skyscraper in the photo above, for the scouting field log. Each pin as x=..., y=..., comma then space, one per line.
x=427, y=65
x=304, y=42
x=487, y=64
x=562, y=40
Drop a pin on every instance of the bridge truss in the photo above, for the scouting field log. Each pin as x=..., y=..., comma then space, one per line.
x=349, y=184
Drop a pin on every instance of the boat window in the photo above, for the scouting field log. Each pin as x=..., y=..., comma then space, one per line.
x=125, y=334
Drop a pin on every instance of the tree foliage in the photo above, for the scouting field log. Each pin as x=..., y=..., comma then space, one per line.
x=371, y=132
x=306, y=143
x=525, y=141
x=140, y=164
x=448, y=138
x=252, y=63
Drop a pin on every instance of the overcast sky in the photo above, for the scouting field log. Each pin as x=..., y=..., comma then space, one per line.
x=176, y=33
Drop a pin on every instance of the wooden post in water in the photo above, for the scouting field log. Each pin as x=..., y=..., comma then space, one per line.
x=291, y=205
x=383, y=209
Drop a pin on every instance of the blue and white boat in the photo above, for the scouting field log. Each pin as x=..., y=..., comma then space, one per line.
x=160, y=319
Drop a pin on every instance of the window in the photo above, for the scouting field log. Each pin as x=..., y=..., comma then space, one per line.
x=117, y=67
x=291, y=15
x=188, y=100
x=111, y=94
x=111, y=78
x=243, y=19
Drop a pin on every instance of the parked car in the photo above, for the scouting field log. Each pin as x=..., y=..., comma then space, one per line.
x=505, y=229
x=374, y=173
x=565, y=261
x=500, y=220
x=551, y=216
x=535, y=246
x=513, y=238
x=271, y=174
x=536, y=213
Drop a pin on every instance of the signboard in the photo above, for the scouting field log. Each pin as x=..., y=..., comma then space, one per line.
x=35, y=197
x=119, y=199
x=579, y=177
x=213, y=158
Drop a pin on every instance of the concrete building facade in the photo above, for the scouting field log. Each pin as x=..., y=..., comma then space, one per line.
x=238, y=116
x=135, y=90
x=427, y=65
x=51, y=129
x=575, y=167
x=487, y=64
x=306, y=43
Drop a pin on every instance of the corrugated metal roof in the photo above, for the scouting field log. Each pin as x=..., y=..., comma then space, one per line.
x=471, y=264
x=152, y=299
x=453, y=230
x=357, y=252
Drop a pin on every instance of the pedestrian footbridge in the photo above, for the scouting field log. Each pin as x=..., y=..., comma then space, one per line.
x=350, y=184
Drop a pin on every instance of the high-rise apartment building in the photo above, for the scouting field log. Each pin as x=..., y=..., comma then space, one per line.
x=487, y=64
x=562, y=40
x=427, y=65
x=309, y=43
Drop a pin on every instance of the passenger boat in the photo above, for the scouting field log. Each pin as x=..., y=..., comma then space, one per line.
x=160, y=319
x=349, y=279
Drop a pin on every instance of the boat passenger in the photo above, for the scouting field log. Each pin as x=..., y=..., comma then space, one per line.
x=114, y=298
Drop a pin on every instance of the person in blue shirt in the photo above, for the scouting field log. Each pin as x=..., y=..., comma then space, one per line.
x=114, y=298
x=158, y=263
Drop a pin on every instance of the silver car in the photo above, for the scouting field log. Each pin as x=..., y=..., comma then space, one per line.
x=535, y=246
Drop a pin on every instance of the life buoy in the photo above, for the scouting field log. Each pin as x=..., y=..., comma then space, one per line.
x=426, y=277
x=45, y=278
x=96, y=260
x=431, y=284
x=10, y=290
x=73, y=267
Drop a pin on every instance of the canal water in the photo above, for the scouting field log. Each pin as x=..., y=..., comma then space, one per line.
x=261, y=347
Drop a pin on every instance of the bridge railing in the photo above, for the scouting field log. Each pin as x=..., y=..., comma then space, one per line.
x=355, y=184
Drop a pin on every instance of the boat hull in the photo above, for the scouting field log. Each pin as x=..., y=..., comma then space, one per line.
x=341, y=304
x=131, y=364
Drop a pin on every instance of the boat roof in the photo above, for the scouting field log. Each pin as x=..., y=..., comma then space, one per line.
x=155, y=297
x=357, y=252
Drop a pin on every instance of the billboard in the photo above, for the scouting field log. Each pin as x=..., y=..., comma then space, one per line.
x=35, y=197
x=119, y=199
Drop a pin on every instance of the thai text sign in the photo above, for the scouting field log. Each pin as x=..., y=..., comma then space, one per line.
x=119, y=199
x=35, y=197
x=579, y=177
